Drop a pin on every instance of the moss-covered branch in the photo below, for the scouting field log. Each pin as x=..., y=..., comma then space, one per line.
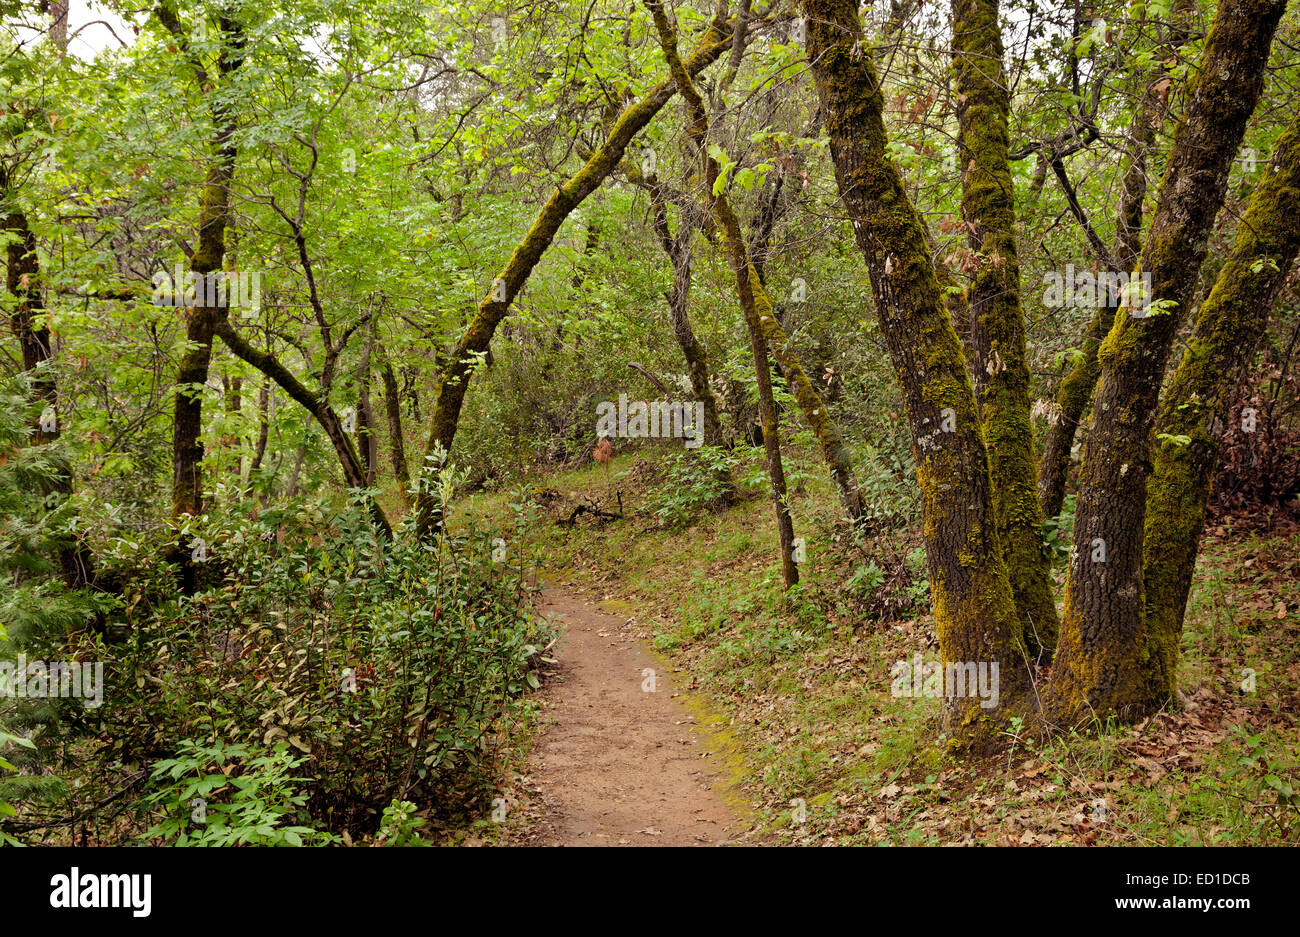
x=476, y=339
x=748, y=287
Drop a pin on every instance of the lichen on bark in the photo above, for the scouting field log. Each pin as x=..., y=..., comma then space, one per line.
x=1099, y=667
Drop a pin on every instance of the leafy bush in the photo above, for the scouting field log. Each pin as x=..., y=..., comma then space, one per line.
x=394, y=668
x=7, y=809
x=38, y=610
x=318, y=677
x=400, y=826
x=321, y=672
x=693, y=482
x=230, y=795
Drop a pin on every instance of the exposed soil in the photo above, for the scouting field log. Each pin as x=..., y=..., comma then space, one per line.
x=618, y=764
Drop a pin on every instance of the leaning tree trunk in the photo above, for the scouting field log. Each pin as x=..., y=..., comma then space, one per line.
x=997, y=320
x=748, y=287
x=492, y=309
x=1197, y=404
x=834, y=450
x=975, y=613
x=1098, y=667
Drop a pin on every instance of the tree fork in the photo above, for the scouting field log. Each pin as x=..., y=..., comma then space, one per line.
x=1198, y=402
x=1099, y=665
x=1075, y=391
x=975, y=613
x=354, y=469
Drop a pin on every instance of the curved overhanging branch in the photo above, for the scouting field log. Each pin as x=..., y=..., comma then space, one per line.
x=477, y=337
x=354, y=472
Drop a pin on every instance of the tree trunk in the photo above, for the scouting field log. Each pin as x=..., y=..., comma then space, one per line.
x=263, y=431
x=22, y=278
x=681, y=254
x=1072, y=398
x=1075, y=391
x=367, y=437
x=997, y=320
x=748, y=286
x=834, y=451
x=207, y=258
x=396, y=442
x=974, y=610
x=1103, y=635
x=697, y=363
x=1198, y=402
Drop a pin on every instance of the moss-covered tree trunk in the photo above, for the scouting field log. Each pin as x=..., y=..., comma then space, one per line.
x=997, y=320
x=1072, y=397
x=834, y=450
x=1197, y=404
x=974, y=610
x=748, y=285
x=1098, y=667
x=697, y=362
x=477, y=338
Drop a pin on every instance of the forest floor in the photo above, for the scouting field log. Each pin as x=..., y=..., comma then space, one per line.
x=623, y=758
x=793, y=691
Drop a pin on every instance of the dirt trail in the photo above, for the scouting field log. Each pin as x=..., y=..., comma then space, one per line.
x=617, y=765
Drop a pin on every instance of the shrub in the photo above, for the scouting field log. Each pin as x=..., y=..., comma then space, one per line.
x=231, y=795
x=321, y=672
x=395, y=669
x=692, y=482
